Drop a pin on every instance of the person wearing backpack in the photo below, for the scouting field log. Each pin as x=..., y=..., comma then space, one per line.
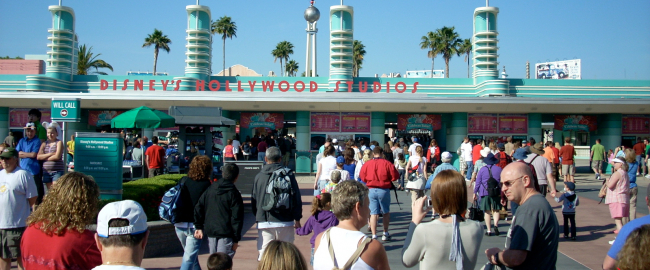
x=488, y=188
x=504, y=159
x=193, y=186
x=279, y=212
x=219, y=214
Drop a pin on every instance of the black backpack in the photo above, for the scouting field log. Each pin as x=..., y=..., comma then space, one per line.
x=493, y=187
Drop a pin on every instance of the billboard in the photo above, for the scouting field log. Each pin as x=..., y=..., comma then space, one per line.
x=566, y=69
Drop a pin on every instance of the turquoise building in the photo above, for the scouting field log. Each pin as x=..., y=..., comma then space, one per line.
x=341, y=105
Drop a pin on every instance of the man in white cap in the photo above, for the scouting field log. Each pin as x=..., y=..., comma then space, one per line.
x=413, y=146
x=121, y=235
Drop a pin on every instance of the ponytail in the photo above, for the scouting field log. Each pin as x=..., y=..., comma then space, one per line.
x=319, y=202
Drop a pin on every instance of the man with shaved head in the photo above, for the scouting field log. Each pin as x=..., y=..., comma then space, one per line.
x=532, y=239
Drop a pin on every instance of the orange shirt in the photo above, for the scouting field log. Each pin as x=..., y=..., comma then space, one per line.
x=549, y=154
x=567, y=152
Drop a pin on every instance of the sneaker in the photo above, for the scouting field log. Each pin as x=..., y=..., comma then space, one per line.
x=647, y=176
x=597, y=176
x=496, y=231
x=374, y=237
x=386, y=237
x=488, y=233
x=566, y=236
x=612, y=242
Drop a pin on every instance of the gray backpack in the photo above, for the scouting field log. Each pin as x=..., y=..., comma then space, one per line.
x=278, y=194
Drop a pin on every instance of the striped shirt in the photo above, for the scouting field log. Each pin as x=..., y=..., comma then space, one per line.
x=53, y=166
x=621, y=193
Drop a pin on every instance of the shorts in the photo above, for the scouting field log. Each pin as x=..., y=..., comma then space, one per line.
x=597, y=164
x=285, y=158
x=49, y=177
x=619, y=210
x=379, y=200
x=10, y=242
x=568, y=169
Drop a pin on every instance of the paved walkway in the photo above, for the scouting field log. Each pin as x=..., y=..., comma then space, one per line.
x=594, y=230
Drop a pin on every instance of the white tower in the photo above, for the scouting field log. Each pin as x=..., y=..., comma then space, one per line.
x=312, y=14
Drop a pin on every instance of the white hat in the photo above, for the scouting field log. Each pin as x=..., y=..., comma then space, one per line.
x=446, y=155
x=127, y=209
x=335, y=140
x=617, y=160
x=485, y=151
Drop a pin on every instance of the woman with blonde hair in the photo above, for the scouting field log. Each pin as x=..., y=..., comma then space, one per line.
x=618, y=193
x=417, y=165
x=280, y=255
x=57, y=231
x=51, y=153
x=458, y=239
x=367, y=155
x=325, y=167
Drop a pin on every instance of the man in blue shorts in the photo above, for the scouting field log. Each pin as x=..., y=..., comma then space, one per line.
x=379, y=174
x=612, y=254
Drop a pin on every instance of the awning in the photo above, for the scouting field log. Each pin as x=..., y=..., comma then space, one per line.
x=199, y=116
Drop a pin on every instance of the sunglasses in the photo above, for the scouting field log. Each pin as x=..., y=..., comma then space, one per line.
x=509, y=183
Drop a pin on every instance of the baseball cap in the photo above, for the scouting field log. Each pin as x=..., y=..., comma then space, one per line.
x=9, y=152
x=340, y=159
x=570, y=185
x=335, y=141
x=128, y=210
x=30, y=125
x=446, y=155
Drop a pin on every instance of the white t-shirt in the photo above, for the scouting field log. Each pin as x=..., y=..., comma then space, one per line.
x=328, y=164
x=466, y=149
x=412, y=149
x=415, y=160
x=15, y=190
x=344, y=243
x=235, y=146
x=117, y=267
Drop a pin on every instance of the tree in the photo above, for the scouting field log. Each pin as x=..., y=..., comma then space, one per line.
x=291, y=68
x=466, y=48
x=358, y=53
x=282, y=51
x=449, y=44
x=87, y=60
x=7, y=57
x=431, y=42
x=227, y=29
x=159, y=41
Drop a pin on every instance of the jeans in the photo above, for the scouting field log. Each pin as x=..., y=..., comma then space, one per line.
x=470, y=170
x=569, y=218
x=402, y=174
x=50, y=177
x=221, y=245
x=261, y=156
x=191, y=247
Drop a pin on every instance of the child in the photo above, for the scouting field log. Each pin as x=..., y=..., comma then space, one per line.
x=335, y=178
x=569, y=202
x=321, y=219
x=345, y=175
x=220, y=213
x=400, y=165
x=219, y=261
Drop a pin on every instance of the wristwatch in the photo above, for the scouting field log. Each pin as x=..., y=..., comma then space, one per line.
x=496, y=259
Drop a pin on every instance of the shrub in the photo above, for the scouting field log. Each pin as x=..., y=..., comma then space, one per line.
x=148, y=192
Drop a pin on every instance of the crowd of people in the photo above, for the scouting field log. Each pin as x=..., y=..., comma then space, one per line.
x=351, y=191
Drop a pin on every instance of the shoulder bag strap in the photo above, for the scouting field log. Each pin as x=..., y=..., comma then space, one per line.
x=357, y=253
x=330, y=247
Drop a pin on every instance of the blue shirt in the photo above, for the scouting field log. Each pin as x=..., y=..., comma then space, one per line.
x=29, y=146
x=624, y=233
x=631, y=173
x=441, y=167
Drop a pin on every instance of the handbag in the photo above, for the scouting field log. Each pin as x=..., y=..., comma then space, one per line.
x=603, y=191
x=475, y=213
x=416, y=182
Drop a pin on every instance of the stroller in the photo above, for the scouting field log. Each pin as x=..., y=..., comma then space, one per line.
x=172, y=163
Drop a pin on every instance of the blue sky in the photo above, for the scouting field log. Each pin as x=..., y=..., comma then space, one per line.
x=611, y=37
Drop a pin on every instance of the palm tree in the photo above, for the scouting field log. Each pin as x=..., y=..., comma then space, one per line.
x=466, y=48
x=88, y=61
x=159, y=41
x=282, y=51
x=358, y=52
x=449, y=44
x=291, y=68
x=430, y=42
x=227, y=29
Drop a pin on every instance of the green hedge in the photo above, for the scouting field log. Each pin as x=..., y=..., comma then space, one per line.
x=148, y=192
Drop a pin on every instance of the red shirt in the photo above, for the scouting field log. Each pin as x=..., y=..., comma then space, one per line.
x=261, y=147
x=567, y=152
x=378, y=173
x=227, y=152
x=476, y=153
x=155, y=155
x=556, y=151
x=638, y=148
x=72, y=250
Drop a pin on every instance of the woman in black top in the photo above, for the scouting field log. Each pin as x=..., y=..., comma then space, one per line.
x=196, y=182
